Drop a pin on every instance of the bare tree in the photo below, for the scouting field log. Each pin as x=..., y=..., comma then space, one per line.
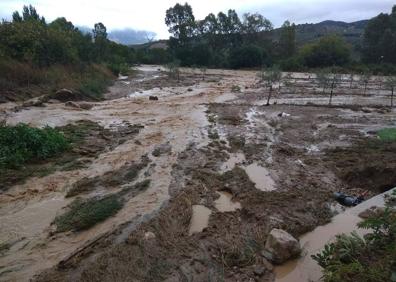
x=269, y=77
x=203, y=70
x=365, y=79
x=324, y=79
x=173, y=70
x=390, y=83
x=335, y=79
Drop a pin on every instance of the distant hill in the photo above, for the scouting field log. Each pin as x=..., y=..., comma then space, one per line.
x=351, y=32
x=127, y=36
x=305, y=33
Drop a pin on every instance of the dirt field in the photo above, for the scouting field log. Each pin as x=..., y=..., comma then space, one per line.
x=223, y=168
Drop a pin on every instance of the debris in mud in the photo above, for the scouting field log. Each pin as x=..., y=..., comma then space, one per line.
x=348, y=201
x=162, y=150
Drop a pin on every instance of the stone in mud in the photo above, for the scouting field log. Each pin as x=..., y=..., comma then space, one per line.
x=153, y=98
x=282, y=246
x=86, y=106
x=149, y=236
x=372, y=212
x=72, y=105
x=162, y=149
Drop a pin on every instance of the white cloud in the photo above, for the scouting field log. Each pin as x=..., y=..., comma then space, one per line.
x=149, y=14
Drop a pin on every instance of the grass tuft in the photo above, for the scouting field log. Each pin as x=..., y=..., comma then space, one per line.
x=83, y=214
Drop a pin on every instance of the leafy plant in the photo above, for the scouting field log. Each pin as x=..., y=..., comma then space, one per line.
x=22, y=143
x=387, y=134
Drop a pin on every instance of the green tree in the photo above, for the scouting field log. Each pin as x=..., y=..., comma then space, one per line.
x=379, y=40
x=181, y=22
x=328, y=51
x=287, y=40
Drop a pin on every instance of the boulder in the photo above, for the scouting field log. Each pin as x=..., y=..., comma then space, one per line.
x=65, y=95
x=153, y=98
x=72, y=105
x=86, y=106
x=282, y=246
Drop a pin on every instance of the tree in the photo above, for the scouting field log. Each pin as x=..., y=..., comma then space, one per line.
x=99, y=32
x=379, y=39
x=390, y=83
x=328, y=51
x=254, y=23
x=269, y=77
x=335, y=79
x=245, y=57
x=181, y=22
x=287, y=40
x=323, y=78
x=365, y=79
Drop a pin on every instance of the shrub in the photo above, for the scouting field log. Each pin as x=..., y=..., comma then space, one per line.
x=387, y=134
x=83, y=214
x=21, y=143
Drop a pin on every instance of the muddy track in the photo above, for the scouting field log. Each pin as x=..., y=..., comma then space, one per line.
x=223, y=172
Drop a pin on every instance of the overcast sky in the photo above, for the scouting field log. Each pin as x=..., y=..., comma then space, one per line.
x=149, y=14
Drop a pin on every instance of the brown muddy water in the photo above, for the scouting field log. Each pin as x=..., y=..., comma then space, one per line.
x=261, y=177
x=199, y=219
x=225, y=203
x=305, y=268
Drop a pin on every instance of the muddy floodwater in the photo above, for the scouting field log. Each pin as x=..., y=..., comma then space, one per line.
x=203, y=173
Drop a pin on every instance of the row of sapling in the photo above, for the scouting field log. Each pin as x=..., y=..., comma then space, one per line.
x=269, y=77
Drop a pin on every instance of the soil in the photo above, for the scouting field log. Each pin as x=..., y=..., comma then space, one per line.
x=199, y=139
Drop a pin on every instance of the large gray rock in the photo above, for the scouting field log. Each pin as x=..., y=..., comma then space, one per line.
x=282, y=246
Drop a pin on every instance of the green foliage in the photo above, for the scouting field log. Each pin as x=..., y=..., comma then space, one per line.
x=370, y=259
x=246, y=56
x=173, y=69
x=83, y=214
x=387, y=134
x=379, y=43
x=328, y=51
x=21, y=143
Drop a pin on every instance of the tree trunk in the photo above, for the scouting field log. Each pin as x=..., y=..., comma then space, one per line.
x=350, y=85
x=392, y=97
x=331, y=93
x=365, y=88
x=269, y=96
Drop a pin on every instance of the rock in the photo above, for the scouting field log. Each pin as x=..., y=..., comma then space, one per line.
x=149, y=236
x=189, y=89
x=65, y=95
x=282, y=246
x=86, y=106
x=259, y=270
x=371, y=212
x=366, y=110
x=72, y=104
x=153, y=98
x=162, y=149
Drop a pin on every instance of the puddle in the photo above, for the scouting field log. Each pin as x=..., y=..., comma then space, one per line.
x=235, y=158
x=225, y=202
x=199, y=219
x=305, y=268
x=260, y=176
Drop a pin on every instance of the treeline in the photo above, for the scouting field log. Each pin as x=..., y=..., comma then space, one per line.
x=225, y=40
x=57, y=54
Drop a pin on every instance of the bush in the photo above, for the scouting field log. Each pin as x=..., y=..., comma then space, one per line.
x=387, y=134
x=21, y=143
x=328, y=51
x=83, y=214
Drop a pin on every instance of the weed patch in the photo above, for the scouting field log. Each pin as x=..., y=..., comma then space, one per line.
x=387, y=134
x=83, y=214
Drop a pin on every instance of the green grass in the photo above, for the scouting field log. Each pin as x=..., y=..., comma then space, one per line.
x=83, y=214
x=20, y=144
x=387, y=134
